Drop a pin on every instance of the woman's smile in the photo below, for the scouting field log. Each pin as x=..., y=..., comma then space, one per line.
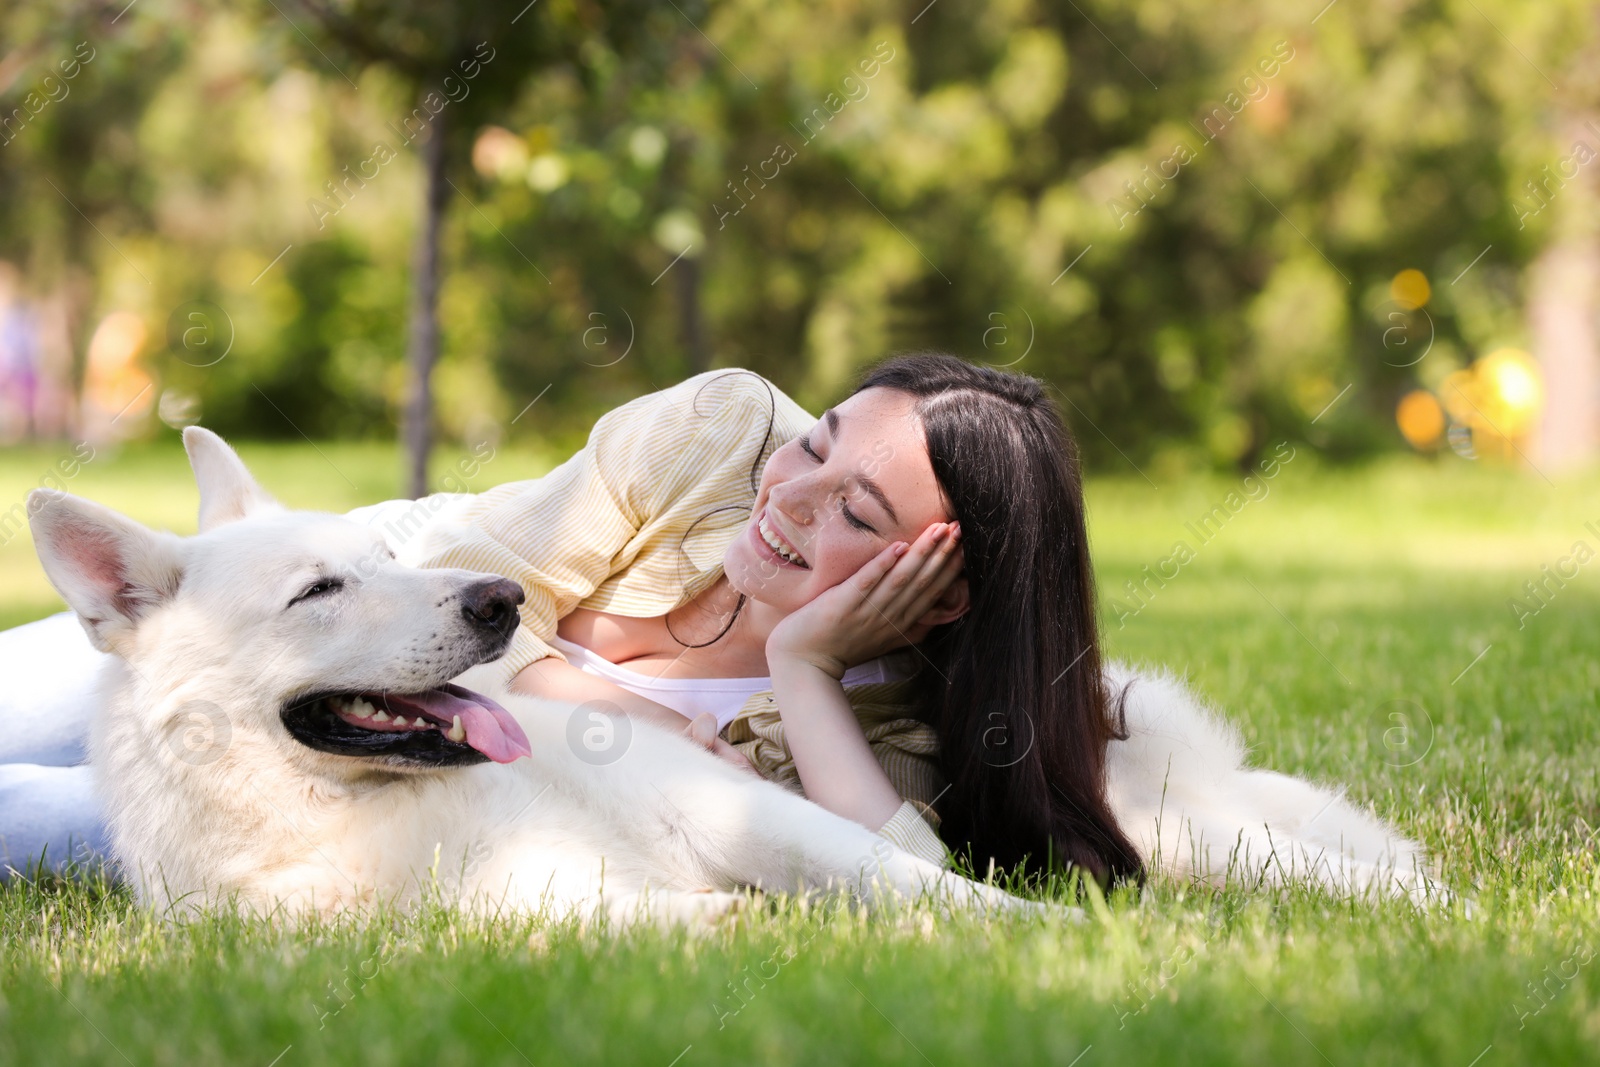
x=779, y=548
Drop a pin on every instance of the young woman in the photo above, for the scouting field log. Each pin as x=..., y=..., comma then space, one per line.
x=890, y=608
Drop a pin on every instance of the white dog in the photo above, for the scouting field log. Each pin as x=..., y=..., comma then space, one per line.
x=279, y=729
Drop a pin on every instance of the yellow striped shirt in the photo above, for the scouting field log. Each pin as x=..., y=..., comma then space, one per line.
x=636, y=524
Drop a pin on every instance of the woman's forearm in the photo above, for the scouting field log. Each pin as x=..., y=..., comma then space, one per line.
x=836, y=765
x=556, y=679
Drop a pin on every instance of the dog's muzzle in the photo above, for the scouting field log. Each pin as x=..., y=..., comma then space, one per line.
x=440, y=726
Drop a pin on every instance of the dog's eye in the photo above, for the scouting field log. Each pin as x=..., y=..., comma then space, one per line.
x=322, y=587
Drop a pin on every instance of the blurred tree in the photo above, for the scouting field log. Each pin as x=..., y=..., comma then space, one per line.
x=1238, y=229
x=1563, y=282
x=1190, y=219
x=73, y=80
x=463, y=64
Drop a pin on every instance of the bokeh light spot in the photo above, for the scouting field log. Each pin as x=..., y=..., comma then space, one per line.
x=1410, y=289
x=1421, y=419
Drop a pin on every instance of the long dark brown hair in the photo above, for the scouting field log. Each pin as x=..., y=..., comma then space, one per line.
x=1014, y=687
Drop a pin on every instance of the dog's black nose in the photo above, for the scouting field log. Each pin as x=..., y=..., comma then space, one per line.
x=493, y=604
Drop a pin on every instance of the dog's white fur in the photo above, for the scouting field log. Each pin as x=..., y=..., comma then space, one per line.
x=1181, y=791
x=210, y=800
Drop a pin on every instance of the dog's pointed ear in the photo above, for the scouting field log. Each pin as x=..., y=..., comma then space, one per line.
x=108, y=568
x=227, y=491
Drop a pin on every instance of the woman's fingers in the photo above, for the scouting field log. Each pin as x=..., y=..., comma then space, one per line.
x=869, y=577
x=941, y=573
x=729, y=754
x=702, y=730
x=925, y=572
x=898, y=585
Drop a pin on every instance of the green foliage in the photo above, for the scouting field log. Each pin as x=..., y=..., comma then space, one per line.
x=1240, y=183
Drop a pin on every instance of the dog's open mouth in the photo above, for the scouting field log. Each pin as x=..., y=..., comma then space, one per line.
x=444, y=726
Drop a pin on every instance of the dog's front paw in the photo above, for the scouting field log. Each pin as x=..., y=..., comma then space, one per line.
x=672, y=909
x=1044, y=909
x=704, y=907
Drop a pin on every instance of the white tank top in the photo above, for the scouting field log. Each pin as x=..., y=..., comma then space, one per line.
x=691, y=697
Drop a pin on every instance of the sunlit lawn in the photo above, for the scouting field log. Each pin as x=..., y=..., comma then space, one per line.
x=1355, y=624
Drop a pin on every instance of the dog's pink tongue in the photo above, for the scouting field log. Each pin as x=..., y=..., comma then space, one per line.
x=490, y=728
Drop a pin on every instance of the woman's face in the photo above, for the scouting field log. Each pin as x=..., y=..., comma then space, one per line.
x=833, y=498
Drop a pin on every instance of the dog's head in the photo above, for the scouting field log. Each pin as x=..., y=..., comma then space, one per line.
x=299, y=627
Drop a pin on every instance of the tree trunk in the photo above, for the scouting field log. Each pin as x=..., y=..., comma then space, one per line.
x=1563, y=309
x=690, y=319
x=1564, y=283
x=422, y=349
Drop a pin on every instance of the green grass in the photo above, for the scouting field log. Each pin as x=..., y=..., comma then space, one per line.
x=1312, y=616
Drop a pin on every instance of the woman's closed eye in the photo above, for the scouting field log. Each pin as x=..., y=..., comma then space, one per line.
x=844, y=508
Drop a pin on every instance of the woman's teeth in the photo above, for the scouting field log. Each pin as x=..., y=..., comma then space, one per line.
x=776, y=543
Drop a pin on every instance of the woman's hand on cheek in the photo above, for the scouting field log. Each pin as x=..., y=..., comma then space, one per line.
x=876, y=609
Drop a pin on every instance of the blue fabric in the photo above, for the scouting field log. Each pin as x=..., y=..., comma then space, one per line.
x=49, y=815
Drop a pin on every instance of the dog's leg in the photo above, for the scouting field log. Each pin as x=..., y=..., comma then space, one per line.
x=736, y=830
x=559, y=881
x=671, y=814
x=670, y=908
